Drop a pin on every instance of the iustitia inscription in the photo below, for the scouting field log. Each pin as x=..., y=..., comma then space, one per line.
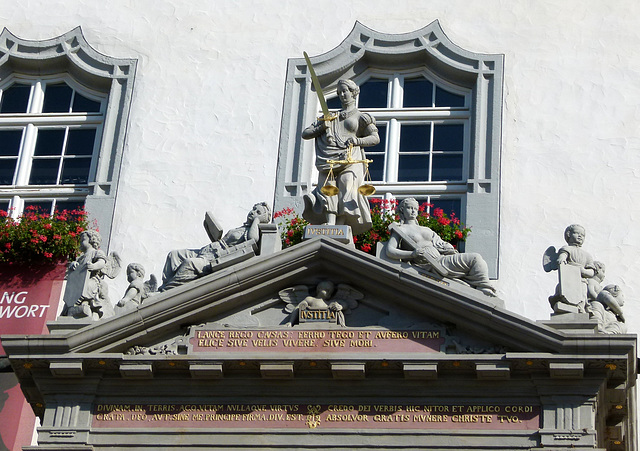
x=344, y=340
x=324, y=416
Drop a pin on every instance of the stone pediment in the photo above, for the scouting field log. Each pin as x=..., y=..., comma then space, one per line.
x=247, y=297
x=235, y=351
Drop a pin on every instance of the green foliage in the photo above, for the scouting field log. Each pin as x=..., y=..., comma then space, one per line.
x=37, y=238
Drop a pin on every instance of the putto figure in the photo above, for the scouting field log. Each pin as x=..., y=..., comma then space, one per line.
x=576, y=272
x=351, y=129
x=138, y=290
x=422, y=247
x=580, y=280
x=185, y=265
x=93, y=265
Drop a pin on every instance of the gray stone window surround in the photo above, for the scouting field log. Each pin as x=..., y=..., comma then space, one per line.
x=366, y=52
x=70, y=58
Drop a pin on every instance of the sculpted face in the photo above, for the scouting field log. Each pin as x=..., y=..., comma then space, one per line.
x=576, y=236
x=409, y=210
x=345, y=95
x=259, y=211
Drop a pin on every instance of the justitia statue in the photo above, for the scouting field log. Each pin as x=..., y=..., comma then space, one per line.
x=422, y=247
x=333, y=138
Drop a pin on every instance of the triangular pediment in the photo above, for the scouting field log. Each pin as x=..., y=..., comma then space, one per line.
x=246, y=296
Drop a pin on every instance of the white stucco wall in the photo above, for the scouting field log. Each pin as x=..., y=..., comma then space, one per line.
x=207, y=104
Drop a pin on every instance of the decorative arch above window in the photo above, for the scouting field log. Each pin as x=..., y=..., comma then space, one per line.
x=438, y=108
x=63, y=114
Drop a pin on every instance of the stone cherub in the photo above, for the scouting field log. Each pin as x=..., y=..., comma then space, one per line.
x=576, y=272
x=423, y=248
x=580, y=284
x=185, y=265
x=138, y=290
x=340, y=301
x=89, y=271
x=351, y=128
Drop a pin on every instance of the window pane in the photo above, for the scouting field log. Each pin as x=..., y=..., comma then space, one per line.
x=15, y=99
x=80, y=141
x=415, y=137
x=446, y=168
x=75, y=171
x=44, y=172
x=10, y=143
x=4, y=205
x=57, y=98
x=49, y=142
x=446, y=98
x=7, y=169
x=84, y=105
x=447, y=205
x=417, y=92
x=448, y=137
x=413, y=168
x=373, y=94
x=377, y=154
x=43, y=206
x=334, y=103
x=69, y=205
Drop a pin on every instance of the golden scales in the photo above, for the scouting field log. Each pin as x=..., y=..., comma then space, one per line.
x=366, y=189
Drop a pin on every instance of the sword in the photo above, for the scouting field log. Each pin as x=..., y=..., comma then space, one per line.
x=327, y=116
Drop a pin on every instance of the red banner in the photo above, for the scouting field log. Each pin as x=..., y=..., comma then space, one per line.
x=29, y=297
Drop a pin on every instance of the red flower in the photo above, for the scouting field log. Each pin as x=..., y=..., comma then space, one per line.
x=366, y=247
x=35, y=240
x=79, y=229
x=444, y=221
x=438, y=212
x=47, y=226
x=458, y=234
x=3, y=214
x=48, y=254
x=290, y=233
x=355, y=239
x=7, y=245
x=57, y=237
x=375, y=236
x=288, y=241
x=43, y=238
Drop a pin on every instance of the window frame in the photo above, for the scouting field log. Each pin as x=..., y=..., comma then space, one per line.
x=366, y=52
x=70, y=59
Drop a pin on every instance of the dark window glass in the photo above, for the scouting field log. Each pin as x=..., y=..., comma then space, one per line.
x=446, y=167
x=373, y=94
x=4, y=205
x=446, y=98
x=80, y=141
x=415, y=137
x=418, y=92
x=377, y=154
x=75, y=171
x=44, y=172
x=83, y=105
x=413, y=168
x=334, y=103
x=448, y=137
x=43, y=206
x=447, y=205
x=69, y=205
x=10, y=143
x=57, y=98
x=15, y=99
x=7, y=169
x=49, y=142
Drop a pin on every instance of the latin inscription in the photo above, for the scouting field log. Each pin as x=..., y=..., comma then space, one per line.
x=341, y=416
x=345, y=340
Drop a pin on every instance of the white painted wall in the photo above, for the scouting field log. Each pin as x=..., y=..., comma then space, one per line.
x=207, y=104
